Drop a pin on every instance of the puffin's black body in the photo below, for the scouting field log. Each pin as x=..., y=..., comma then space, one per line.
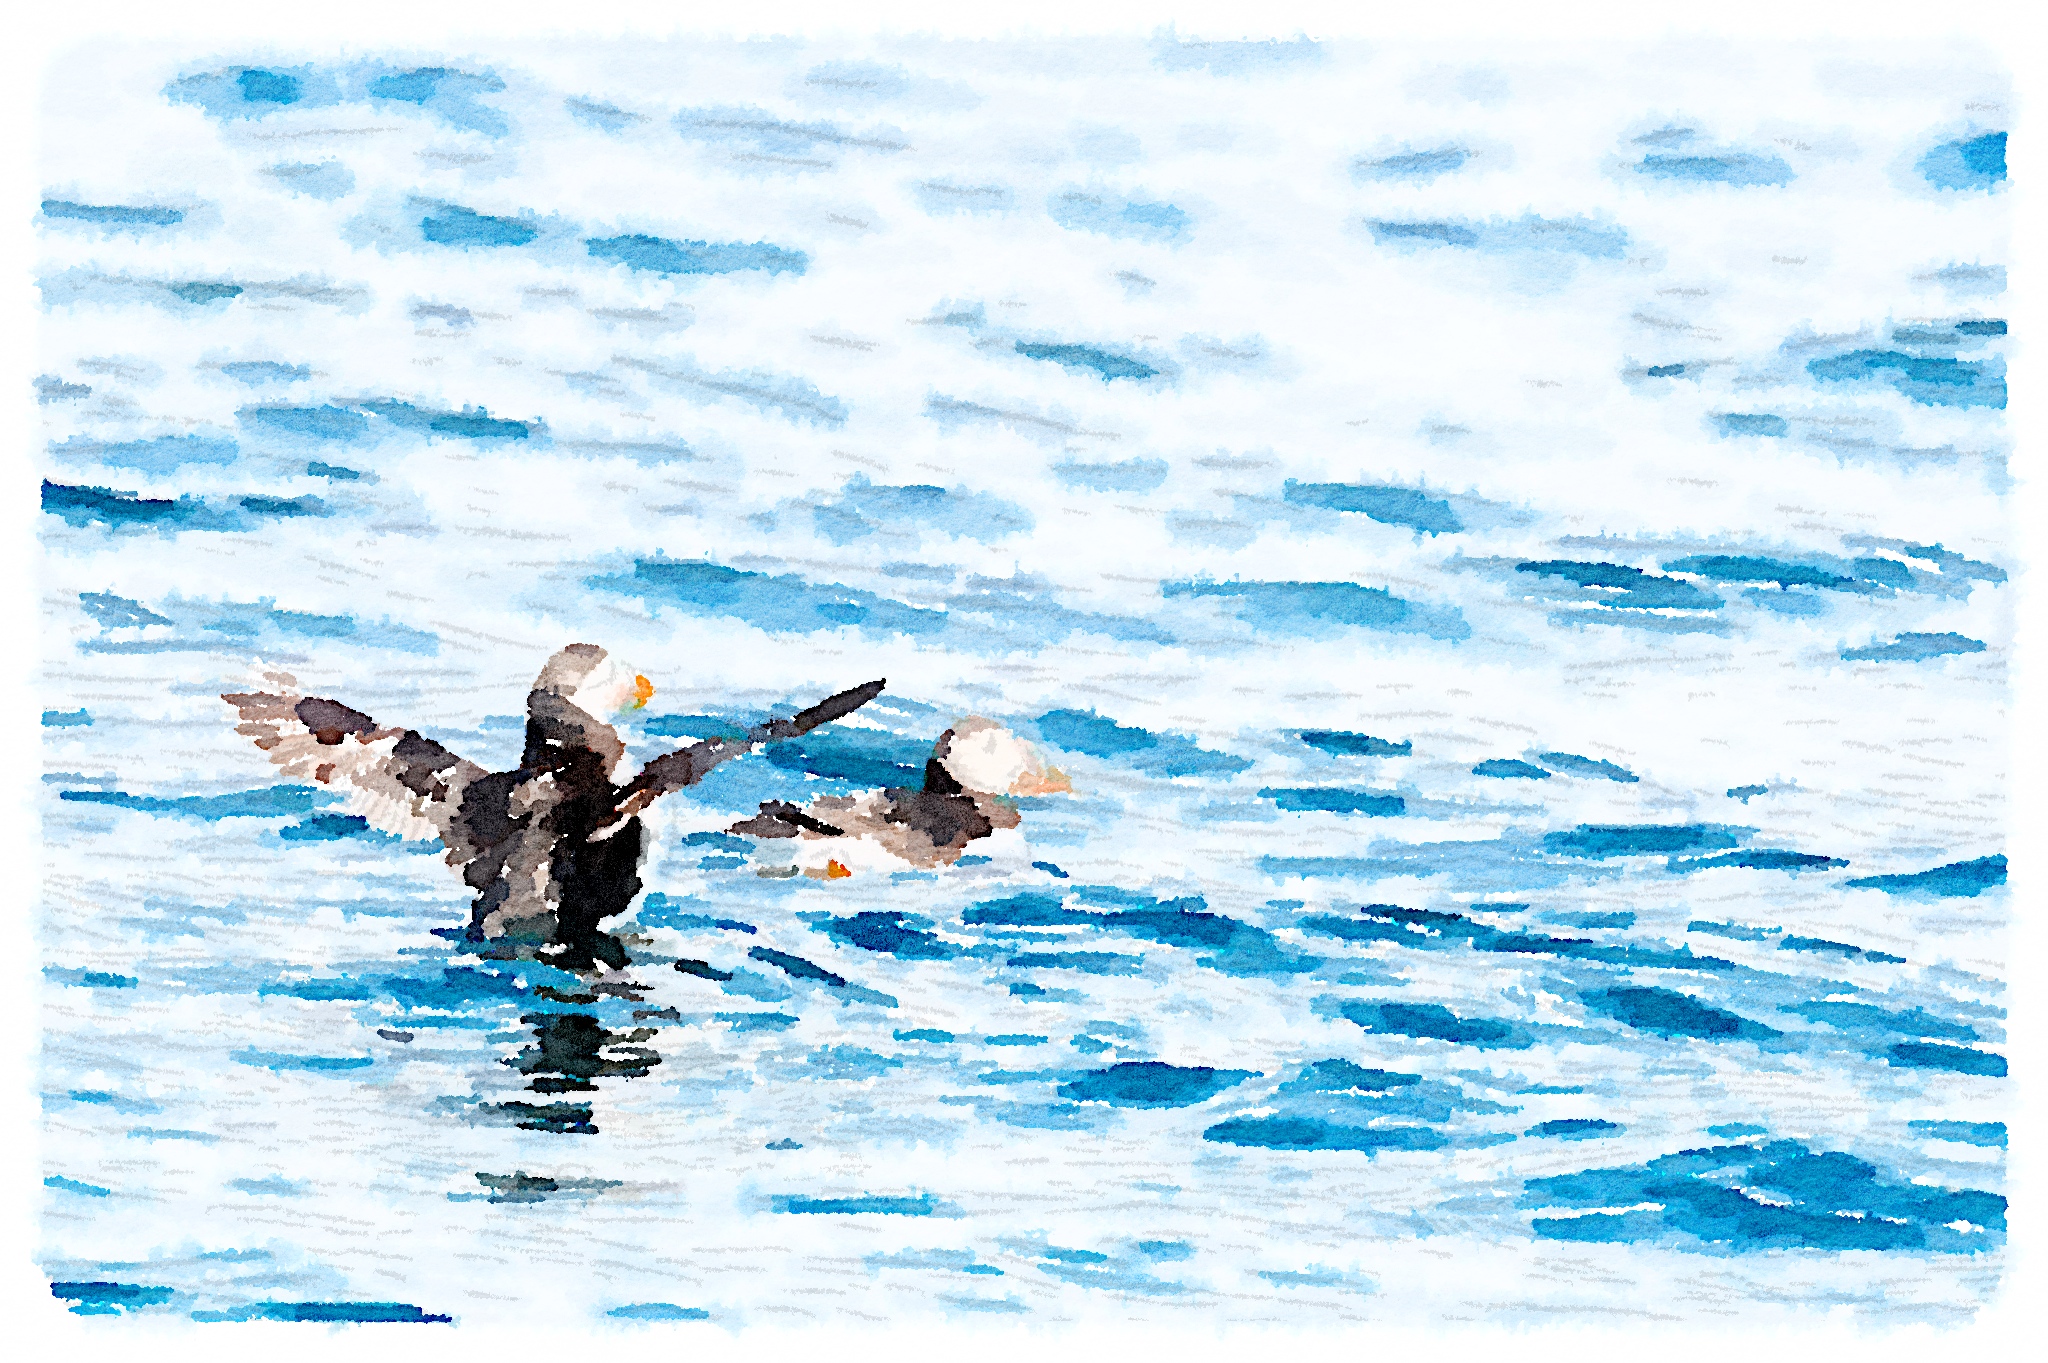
x=595, y=878
x=943, y=814
x=599, y=881
x=553, y=847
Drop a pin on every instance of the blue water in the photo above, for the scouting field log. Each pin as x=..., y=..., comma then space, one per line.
x=1523, y=603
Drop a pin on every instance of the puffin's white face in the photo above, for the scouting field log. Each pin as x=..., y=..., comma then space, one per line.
x=985, y=756
x=610, y=687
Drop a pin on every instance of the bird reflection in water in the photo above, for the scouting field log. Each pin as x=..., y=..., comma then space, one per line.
x=570, y=1052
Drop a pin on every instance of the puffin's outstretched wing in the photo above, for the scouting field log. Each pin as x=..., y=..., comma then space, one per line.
x=688, y=766
x=396, y=779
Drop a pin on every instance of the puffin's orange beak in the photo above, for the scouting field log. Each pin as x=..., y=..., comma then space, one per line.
x=1051, y=781
x=643, y=691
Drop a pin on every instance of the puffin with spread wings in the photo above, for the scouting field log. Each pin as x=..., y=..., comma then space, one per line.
x=552, y=847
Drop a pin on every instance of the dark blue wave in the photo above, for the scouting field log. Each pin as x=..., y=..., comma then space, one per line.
x=83, y=506
x=1335, y=800
x=1965, y=879
x=1713, y=1196
x=1310, y=1133
x=1104, y=364
x=1623, y=588
x=1389, y=505
x=658, y=255
x=1237, y=948
x=779, y=604
x=1602, y=841
x=1967, y=163
x=1433, y=1022
x=112, y=215
x=1508, y=768
x=1151, y=1084
x=1914, y=648
x=1575, y=765
x=1320, y=608
x=1084, y=731
x=267, y=802
x=1341, y=744
x=1668, y=1013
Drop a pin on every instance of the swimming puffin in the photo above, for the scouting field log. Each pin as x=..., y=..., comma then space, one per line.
x=552, y=847
x=973, y=768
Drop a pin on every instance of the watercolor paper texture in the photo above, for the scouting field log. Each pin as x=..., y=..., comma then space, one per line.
x=1443, y=620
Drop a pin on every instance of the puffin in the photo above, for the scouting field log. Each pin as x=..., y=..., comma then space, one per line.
x=552, y=847
x=974, y=772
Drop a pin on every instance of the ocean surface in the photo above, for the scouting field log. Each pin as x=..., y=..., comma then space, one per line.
x=1510, y=547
